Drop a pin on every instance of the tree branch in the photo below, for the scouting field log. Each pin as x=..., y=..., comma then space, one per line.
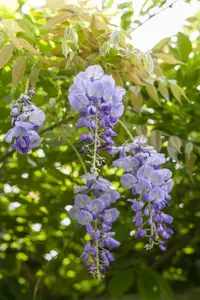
x=157, y=13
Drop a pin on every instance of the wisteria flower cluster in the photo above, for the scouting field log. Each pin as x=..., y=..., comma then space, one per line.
x=92, y=210
x=150, y=185
x=26, y=119
x=99, y=102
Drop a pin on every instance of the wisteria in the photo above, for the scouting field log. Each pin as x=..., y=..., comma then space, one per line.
x=150, y=185
x=92, y=210
x=26, y=119
x=99, y=102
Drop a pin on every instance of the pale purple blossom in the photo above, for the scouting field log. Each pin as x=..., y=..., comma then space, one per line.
x=92, y=210
x=94, y=95
x=26, y=119
x=150, y=184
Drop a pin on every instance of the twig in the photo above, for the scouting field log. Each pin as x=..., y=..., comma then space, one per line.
x=37, y=285
x=126, y=129
x=38, y=282
x=157, y=13
x=79, y=156
x=62, y=121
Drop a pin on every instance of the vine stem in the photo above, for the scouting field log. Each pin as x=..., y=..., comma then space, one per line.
x=37, y=285
x=79, y=156
x=126, y=129
x=94, y=170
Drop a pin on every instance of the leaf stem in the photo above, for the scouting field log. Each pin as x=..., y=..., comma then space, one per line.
x=126, y=129
x=79, y=156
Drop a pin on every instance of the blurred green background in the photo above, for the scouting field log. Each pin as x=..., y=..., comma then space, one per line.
x=39, y=244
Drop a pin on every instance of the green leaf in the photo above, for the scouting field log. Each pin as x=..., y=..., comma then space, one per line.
x=165, y=289
x=1, y=37
x=136, y=100
x=147, y=285
x=58, y=19
x=115, y=37
x=152, y=92
x=121, y=281
x=5, y=55
x=163, y=90
x=26, y=26
x=155, y=139
x=175, y=142
x=14, y=39
x=172, y=152
x=126, y=19
x=167, y=58
x=28, y=47
x=184, y=46
x=152, y=286
x=105, y=48
x=175, y=90
x=159, y=46
x=190, y=161
x=18, y=70
x=188, y=147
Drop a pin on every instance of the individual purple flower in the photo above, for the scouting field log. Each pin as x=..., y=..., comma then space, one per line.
x=92, y=210
x=26, y=119
x=94, y=95
x=150, y=184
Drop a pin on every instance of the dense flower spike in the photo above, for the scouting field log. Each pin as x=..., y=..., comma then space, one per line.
x=150, y=186
x=26, y=119
x=92, y=210
x=99, y=102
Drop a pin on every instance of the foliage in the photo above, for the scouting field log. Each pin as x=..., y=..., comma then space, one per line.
x=40, y=245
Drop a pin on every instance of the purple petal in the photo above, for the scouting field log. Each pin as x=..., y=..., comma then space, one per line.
x=142, y=186
x=111, y=243
x=140, y=233
x=140, y=139
x=128, y=181
x=9, y=136
x=156, y=194
x=81, y=200
x=156, y=159
x=77, y=101
x=96, y=206
x=156, y=177
x=35, y=140
x=19, y=131
x=144, y=171
x=37, y=117
x=127, y=163
x=94, y=72
x=84, y=217
x=74, y=213
x=110, y=215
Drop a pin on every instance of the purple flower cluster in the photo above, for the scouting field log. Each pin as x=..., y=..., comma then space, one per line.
x=99, y=102
x=92, y=210
x=150, y=186
x=26, y=119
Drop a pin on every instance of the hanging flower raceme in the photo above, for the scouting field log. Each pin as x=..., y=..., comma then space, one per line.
x=99, y=102
x=92, y=210
x=26, y=119
x=150, y=185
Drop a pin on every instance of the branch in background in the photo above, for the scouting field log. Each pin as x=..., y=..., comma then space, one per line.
x=157, y=13
x=62, y=121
